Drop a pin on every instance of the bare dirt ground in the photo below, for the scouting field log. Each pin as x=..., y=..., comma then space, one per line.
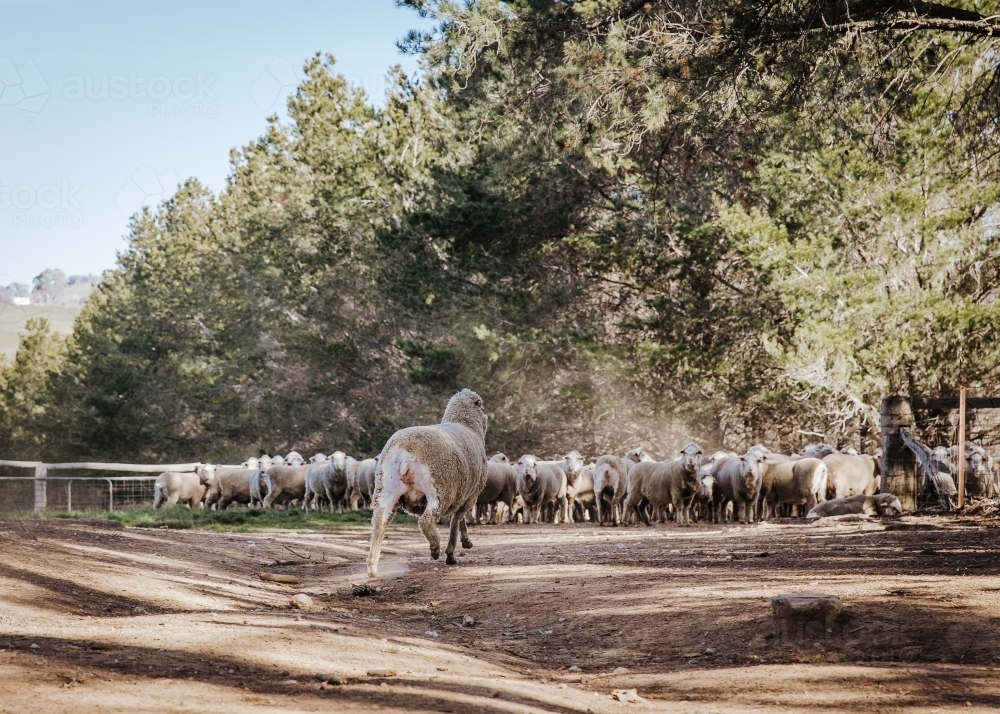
x=96, y=617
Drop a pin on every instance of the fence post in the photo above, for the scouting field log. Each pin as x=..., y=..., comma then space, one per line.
x=111, y=495
x=899, y=466
x=961, y=447
x=69, y=496
x=41, y=492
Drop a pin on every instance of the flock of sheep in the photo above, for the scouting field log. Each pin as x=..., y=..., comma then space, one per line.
x=633, y=487
x=441, y=471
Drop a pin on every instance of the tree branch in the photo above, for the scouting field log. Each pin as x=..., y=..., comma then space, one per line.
x=624, y=12
x=987, y=27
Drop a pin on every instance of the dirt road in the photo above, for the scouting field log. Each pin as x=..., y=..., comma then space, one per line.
x=98, y=618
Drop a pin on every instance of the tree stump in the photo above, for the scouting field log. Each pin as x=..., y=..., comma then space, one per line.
x=805, y=615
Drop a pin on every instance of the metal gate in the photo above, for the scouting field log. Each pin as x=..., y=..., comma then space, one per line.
x=69, y=493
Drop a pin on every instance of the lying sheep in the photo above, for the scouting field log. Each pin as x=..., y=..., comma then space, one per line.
x=542, y=485
x=500, y=487
x=326, y=480
x=172, y=487
x=884, y=504
x=739, y=481
x=432, y=471
x=611, y=487
x=284, y=484
x=663, y=484
x=228, y=486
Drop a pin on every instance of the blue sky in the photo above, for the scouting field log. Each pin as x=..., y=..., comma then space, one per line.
x=107, y=105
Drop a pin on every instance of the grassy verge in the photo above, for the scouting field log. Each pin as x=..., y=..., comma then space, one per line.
x=235, y=519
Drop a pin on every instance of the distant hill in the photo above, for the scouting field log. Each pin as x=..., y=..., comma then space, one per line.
x=51, y=287
x=14, y=317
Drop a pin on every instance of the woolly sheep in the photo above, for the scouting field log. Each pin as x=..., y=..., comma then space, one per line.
x=610, y=485
x=883, y=504
x=665, y=483
x=285, y=482
x=294, y=458
x=738, y=480
x=796, y=482
x=584, y=500
x=638, y=456
x=572, y=465
x=326, y=479
x=849, y=475
x=172, y=487
x=432, y=471
x=228, y=486
x=816, y=451
x=257, y=491
x=542, y=485
x=500, y=487
x=364, y=482
x=353, y=495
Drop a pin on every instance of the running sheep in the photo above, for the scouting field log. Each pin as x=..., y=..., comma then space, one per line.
x=432, y=472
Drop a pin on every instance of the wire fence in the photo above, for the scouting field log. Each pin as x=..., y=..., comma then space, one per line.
x=75, y=493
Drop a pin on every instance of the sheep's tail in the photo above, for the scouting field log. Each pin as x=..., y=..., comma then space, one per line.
x=821, y=481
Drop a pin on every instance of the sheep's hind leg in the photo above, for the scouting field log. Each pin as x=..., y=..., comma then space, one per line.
x=381, y=515
x=457, y=521
x=463, y=526
x=428, y=526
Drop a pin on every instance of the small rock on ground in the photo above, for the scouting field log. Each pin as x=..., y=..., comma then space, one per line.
x=627, y=696
x=301, y=601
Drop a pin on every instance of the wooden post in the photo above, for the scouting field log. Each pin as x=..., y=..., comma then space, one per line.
x=961, y=447
x=899, y=466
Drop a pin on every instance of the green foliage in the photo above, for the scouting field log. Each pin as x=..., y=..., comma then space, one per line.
x=28, y=418
x=243, y=519
x=239, y=520
x=621, y=223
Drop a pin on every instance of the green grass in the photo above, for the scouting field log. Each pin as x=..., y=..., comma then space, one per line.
x=235, y=519
x=13, y=318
